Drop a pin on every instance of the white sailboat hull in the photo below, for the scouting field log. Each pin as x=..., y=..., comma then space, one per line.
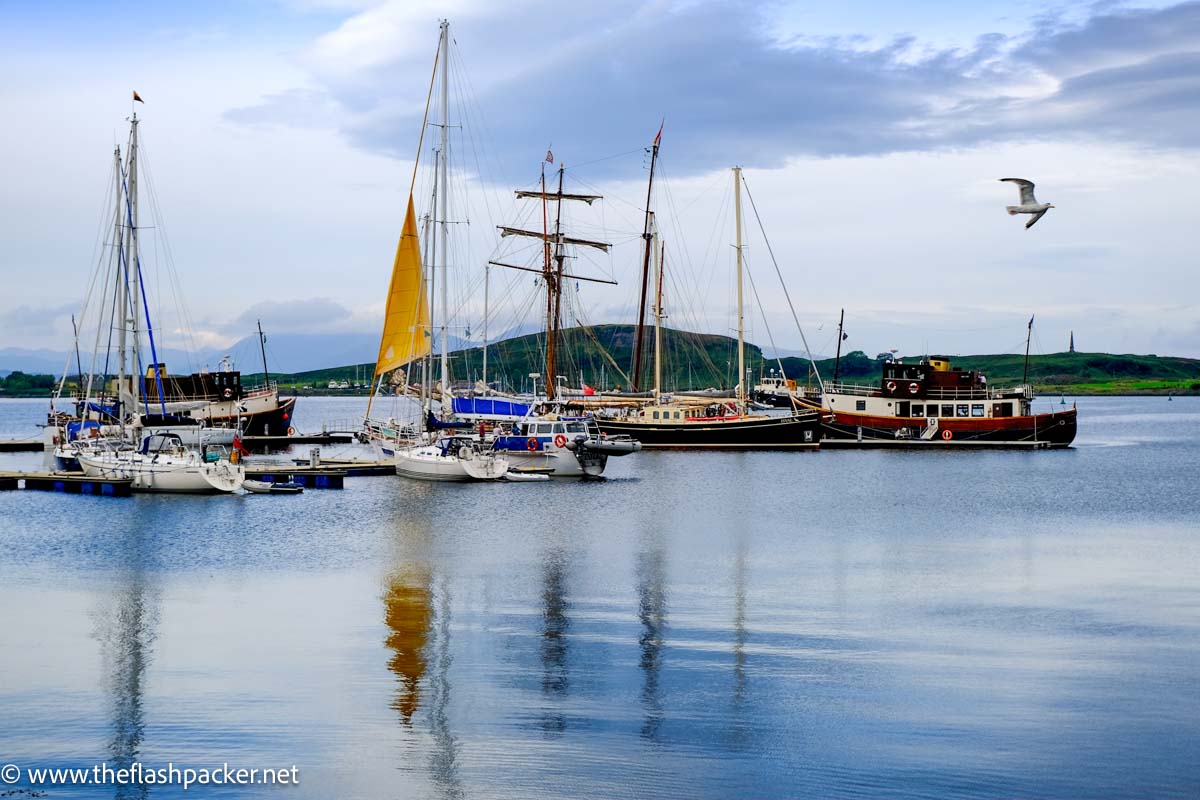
x=183, y=475
x=428, y=463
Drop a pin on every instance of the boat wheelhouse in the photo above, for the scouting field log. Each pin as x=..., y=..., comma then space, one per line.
x=929, y=402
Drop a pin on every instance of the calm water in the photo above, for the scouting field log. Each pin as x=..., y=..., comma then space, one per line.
x=837, y=624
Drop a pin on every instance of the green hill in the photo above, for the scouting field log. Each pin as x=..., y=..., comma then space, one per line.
x=697, y=361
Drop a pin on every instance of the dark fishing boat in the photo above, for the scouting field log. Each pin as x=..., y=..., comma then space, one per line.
x=931, y=404
x=219, y=399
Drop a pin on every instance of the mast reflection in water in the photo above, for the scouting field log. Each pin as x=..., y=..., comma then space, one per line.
x=554, y=646
x=652, y=612
x=125, y=627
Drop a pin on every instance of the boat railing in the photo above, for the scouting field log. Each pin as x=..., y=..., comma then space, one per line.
x=939, y=392
x=261, y=389
x=859, y=389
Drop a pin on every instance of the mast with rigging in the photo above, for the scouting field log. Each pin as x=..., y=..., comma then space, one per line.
x=646, y=237
x=737, y=213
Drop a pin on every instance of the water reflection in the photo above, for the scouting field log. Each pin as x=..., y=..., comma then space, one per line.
x=652, y=612
x=408, y=612
x=554, y=645
x=738, y=726
x=125, y=626
x=417, y=611
x=444, y=758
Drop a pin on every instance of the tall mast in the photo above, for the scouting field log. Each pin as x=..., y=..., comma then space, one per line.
x=122, y=286
x=487, y=273
x=262, y=344
x=131, y=257
x=443, y=231
x=646, y=236
x=737, y=213
x=658, y=315
x=430, y=277
x=554, y=296
x=837, y=361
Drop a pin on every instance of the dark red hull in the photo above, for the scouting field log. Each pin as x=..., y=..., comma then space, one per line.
x=1042, y=430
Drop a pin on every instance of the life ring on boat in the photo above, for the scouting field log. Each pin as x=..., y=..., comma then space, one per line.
x=291, y=431
x=228, y=393
x=560, y=440
x=531, y=443
x=947, y=434
x=914, y=387
x=891, y=386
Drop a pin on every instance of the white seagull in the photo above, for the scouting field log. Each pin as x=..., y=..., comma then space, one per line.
x=1029, y=203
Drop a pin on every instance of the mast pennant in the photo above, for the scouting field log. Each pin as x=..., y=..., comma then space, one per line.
x=406, y=320
x=137, y=98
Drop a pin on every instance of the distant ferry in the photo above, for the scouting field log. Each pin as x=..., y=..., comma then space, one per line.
x=928, y=403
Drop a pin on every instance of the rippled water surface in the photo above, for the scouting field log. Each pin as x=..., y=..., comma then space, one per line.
x=834, y=624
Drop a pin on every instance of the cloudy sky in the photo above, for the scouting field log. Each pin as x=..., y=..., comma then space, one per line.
x=280, y=138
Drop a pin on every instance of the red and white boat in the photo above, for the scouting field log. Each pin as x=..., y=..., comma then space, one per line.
x=930, y=404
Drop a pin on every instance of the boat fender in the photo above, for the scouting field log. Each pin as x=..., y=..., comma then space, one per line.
x=891, y=386
x=947, y=434
x=560, y=440
x=234, y=457
x=914, y=387
x=291, y=431
x=228, y=393
x=531, y=443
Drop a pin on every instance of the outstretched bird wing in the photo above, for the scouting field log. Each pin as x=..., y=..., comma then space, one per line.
x=1027, y=198
x=1035, y=218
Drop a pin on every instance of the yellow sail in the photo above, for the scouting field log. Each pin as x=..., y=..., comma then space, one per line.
x=406, y=320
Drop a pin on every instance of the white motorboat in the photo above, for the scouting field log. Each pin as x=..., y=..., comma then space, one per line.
x=163, y=464
x=450, y=459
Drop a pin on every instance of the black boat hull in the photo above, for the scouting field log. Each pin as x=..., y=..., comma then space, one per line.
x=755, y=433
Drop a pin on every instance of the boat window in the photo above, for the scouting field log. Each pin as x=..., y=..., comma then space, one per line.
x=918, y=411
x=964, y=410
x=860, y=405
x=676, y=415
x=560, y=428
x=932, y=411
x=656, y=415
x=947, y=411
x=977, y=410
x=1002, y=410
x=576, y=427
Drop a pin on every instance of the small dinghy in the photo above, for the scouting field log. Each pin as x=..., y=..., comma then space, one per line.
x=521, y=474
x=264, y=487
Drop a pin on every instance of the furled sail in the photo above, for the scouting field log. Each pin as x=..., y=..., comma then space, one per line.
x=406, y=320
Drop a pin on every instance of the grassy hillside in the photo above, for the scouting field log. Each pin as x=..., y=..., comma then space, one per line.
x=698, y=361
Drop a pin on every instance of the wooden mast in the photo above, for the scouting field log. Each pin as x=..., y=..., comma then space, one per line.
x=646, y=236
x=552, y=271
x=658, y=315
x=737, y=213
x=1028, y=336
x=837, y=361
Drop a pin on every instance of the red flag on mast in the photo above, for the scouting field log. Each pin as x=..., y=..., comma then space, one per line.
x=658, y=136
x=137, y=98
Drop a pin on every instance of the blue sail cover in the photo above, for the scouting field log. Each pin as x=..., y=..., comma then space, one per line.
x=489, y=408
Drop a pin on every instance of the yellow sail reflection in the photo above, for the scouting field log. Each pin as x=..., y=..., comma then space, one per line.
x=408, y=612
x=406, y=320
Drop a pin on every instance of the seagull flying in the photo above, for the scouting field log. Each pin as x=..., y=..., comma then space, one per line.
x=1029, y=203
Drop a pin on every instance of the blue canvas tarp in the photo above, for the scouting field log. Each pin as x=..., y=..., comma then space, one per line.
x=489, y=408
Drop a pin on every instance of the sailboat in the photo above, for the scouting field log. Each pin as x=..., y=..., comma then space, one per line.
x=435, y=456
x=541, y=435
x=145, y=446
x=684, y=422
